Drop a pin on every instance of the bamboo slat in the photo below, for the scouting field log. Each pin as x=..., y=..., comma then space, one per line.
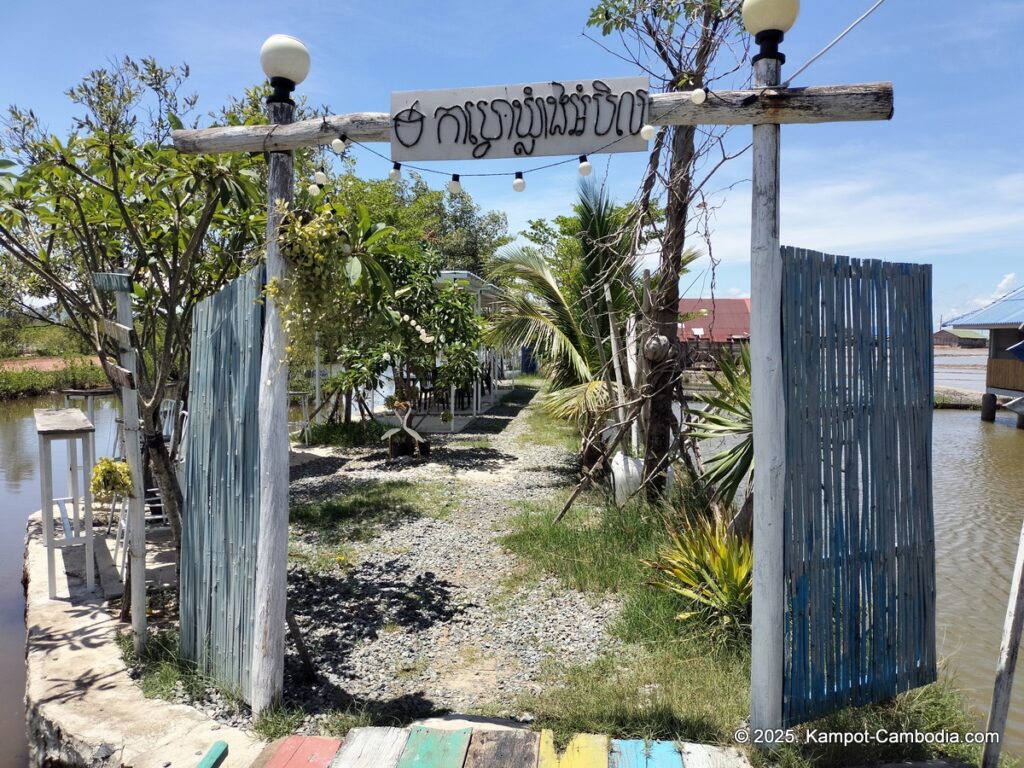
x=222, y=483
x=859, y=559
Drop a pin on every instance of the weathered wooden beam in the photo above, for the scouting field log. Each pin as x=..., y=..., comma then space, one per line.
x=122, y=334
x=817, y=104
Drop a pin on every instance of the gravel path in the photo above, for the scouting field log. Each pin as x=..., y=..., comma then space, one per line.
x=431, y=618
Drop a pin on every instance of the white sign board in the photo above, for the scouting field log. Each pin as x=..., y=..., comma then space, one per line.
x=572, y=117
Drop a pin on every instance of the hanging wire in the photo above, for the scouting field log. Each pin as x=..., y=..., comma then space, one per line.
x=832, y=45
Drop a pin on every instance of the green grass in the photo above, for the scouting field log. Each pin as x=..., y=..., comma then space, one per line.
x=163, y=669
x=278, y=722
x=325, y=529
x=338, y=723
x=38, y=339
x=681, y=680
x=354, y=435
x=29, y=383
x=544, y=429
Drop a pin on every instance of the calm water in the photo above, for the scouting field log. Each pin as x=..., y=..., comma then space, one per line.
x=19, y=496
x=979, y=506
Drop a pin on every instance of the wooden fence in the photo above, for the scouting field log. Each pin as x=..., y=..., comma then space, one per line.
x=859, y=554
x=221, y=511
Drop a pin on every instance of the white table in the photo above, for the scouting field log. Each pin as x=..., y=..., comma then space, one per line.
x=71, y=425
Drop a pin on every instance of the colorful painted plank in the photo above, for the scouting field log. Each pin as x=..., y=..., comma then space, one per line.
x=215, y=755
x=285, y=750
x=433, y=748
x=704, y=756
x=586, y=750
x=314, y=752
x=503, y=749
x=371, y=748
x=644, y=754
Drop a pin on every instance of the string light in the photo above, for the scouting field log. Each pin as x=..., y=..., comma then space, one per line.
x=396, y=173
x=699, y=96
x=454, y=186
x=320, y=178
x=339, y=145
x=585, y=166
x=519, y=184
x=647, y=132
x=313, y=190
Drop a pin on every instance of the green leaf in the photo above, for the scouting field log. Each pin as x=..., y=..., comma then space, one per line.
x=353, y=269
x=174, y=121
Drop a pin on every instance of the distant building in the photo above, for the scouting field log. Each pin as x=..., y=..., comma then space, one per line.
x=953, y=337
x=714, y=320
x=712, y=327
x=1004, y=320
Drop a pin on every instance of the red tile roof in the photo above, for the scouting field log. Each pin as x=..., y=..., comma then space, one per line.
x=726, y=319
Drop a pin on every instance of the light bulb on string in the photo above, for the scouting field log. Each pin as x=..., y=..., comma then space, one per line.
x=647, y=132
x=699, y=96
x=314, y=190
x=339, y=145
x=320, y=178
x=396, y=173
x=520, y=183
x=585, y=166
x=454, y=186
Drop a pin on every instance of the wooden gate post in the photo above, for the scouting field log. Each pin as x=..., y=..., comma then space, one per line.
x=1008, y=650
x=769, y=420
x=267, y=677
x=136, y=502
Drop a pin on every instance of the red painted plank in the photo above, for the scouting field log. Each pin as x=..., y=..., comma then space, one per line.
x=285, y=751
x=314, y=752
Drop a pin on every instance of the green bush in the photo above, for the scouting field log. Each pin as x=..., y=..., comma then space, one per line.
x=50, y=341
x=353, y=435
x=28, y=383
x=712, y=569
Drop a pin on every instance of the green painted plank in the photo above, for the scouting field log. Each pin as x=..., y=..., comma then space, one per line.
x=215, y=755
x=433, y=748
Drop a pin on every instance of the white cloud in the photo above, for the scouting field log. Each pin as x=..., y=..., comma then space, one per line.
x=906, y=205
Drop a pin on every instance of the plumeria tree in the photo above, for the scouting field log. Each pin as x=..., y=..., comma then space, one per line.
x=372, y=303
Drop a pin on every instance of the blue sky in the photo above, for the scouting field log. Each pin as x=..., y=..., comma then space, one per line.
x=941, y=183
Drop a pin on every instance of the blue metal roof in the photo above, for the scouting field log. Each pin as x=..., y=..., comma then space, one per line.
x=1007, y=312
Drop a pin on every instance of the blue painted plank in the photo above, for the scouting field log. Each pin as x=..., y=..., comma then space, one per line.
x=644, y=754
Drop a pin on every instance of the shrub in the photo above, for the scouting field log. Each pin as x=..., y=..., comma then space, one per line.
x=353, y=435
x=30, y=382
x=712, y=568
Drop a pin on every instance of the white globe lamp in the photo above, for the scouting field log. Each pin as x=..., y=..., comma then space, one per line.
x=285, y=60
x=768, y=21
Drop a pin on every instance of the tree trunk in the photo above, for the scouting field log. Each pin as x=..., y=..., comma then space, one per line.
x=163, y=473
x=662, y=375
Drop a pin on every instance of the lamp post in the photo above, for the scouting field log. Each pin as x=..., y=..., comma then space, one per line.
x=285, y=61
x=768, y=21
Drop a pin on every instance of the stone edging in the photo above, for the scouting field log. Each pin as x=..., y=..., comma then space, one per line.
x=83, y=709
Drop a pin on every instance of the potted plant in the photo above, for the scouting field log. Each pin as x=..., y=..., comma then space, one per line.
x=110, y=478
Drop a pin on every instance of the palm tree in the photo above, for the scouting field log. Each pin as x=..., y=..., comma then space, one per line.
x=563, y=315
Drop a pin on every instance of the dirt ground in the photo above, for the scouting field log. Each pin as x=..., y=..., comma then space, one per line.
x=43, y=363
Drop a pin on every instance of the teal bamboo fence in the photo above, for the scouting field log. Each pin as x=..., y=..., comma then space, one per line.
x=859, y=539
x=221, y=510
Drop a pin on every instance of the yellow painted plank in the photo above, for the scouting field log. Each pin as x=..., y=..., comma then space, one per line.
x=586, y=750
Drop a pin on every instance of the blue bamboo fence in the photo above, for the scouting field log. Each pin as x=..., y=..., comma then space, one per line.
x=859, y=553
x=221, y=509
